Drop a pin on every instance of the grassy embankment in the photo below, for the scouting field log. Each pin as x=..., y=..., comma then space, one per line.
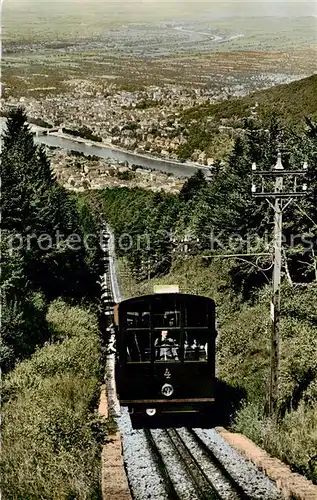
x=52, y=436
x=244, y=352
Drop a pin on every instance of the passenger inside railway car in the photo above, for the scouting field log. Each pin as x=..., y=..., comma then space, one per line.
x=166, y=335
x=195, y=347
x=166, y=347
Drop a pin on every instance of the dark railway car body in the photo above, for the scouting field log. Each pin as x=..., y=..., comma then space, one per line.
x=166, y=353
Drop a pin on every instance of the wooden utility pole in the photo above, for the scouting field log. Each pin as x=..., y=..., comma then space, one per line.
x=282, y=198
x=276, y=298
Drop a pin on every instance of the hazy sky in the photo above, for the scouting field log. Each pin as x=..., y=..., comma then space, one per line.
x=299, y=4
x=158, y=7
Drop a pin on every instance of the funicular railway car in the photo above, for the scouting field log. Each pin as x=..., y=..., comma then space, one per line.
x=166, y=353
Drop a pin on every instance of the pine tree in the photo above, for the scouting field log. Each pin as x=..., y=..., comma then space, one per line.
x=193, y=186
x=34, y=207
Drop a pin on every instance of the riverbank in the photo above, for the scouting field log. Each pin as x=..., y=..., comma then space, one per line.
x=110, y=145
x=77, y=172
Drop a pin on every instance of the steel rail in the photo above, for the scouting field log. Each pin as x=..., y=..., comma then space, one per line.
x=240, y=491
x=204, y=486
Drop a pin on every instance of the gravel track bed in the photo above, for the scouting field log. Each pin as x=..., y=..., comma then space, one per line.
x=220, y=483
x=144, y=477
x=253, y=482
x=176, y=468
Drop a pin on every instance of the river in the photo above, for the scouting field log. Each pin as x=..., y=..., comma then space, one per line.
x=178, y=169
x=167, y=166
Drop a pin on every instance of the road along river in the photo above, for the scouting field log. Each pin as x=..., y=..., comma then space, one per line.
x=89, y=148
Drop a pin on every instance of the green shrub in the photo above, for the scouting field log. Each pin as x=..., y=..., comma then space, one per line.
x=40, y=122
x=69, y=322
x=293, y=439
x=77, y=353
x=126, y=175
x=243, y=350
x=51, y=440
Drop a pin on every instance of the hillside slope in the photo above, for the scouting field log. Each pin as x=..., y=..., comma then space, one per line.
x=291, y=103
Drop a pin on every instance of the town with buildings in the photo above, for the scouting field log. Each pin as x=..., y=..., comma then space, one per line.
x=145, y=121
x=79, y=173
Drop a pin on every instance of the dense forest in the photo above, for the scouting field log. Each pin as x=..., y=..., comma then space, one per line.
x=203, y=123
x=42, y=224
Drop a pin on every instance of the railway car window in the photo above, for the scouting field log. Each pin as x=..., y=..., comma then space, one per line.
x=195, y=346
x=196, y=314
x=138, y=319
x=166, y=312
x=166, y=345
x=167, y=319
x=139, y=346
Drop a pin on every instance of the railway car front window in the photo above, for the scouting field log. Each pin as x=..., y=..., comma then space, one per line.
x=196, y=315
x=138, y=319
x=139, y=346
x=138, y=336
x=195, y=346
x=166, y=346
x=166, y=314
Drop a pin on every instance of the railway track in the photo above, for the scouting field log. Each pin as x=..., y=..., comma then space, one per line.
x=189, y=468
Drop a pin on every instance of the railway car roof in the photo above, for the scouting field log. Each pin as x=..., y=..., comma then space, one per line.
x=181, y=296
